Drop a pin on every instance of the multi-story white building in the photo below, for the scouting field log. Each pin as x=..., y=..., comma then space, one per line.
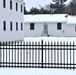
x=11, y=20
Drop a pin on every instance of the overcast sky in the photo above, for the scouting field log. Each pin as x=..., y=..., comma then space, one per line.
x=35, y=3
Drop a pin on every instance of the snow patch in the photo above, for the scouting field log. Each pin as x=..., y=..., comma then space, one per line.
x=67, y=2
x=50, y=18
x=50, y=39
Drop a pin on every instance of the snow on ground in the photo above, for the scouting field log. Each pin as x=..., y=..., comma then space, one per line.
x=35, y=71
x=53, y=39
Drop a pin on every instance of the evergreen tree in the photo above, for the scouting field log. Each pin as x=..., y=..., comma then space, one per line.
x=58, y=5
x=59, y=1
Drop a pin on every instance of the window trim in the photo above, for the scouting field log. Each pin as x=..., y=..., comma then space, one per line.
x=11, y=4
x=75, y=28
x=59, y=27
x=21, y=26
x=16, y=6
x=11, y=26
x=4, y=3
x=16, y=26
x=21, y=8
x=32, y=26
x=4, y=25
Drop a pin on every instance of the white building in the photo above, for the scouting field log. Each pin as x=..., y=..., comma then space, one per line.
x=11, y=20
x=49, y=25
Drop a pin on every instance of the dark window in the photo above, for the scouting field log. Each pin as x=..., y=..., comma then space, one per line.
x=10, y=4
x=16, y=26
x=4, y=25
x=21, y=26
x=4, y=3
x=31, y=26
x=75, y=28
x=16, y=6
x=11, y=26
x=59, y=26
x=21, y=8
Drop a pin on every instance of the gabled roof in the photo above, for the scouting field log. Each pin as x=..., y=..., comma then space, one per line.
x=50, y=18
x=21, y=1
x=71, y=20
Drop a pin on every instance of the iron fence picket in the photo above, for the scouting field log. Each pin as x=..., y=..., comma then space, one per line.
x=51, y=55
x=67, y=55
x=73, y=57
x=23, y=54
x=48, y=55
x=64, y=54
x=0, y=53
x=3, y=54
x=38, y=55
x=70, y=55
x=42, y=53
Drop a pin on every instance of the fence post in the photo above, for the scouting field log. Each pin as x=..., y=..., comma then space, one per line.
x=0, y=54
x=42, y=52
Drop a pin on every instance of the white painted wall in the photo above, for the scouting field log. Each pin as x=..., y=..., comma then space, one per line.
x=69, y=30
x=37, y=32
x=11, y=15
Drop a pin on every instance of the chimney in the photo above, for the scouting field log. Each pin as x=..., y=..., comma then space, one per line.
x=66, y=16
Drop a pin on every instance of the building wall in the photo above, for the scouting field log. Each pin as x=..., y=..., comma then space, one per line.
x=52, y=29
x=67, y=30
x=37, y=32
x=39, y=27
x=70, y=30
x=8, y=15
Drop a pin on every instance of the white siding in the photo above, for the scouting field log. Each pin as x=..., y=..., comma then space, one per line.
x=70, y=30
x=37, y=32
x=39, y=27
x=8, y=15
x=67, y=30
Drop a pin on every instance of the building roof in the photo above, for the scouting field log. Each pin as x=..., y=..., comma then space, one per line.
x=21, y=1
x=71, y=20
x=50, y=18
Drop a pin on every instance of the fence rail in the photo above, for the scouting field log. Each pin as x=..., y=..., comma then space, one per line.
x=38, y=55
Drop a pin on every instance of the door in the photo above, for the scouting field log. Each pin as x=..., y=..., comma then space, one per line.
x=45, y=29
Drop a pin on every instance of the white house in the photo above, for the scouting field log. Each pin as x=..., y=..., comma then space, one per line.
x=11, y=20
x=49, y=25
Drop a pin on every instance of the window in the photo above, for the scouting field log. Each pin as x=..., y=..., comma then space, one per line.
x=59, y=26
x=4, y=3
x=21, y=8
x=16, y=26
x=31, y=26
x=4, y=25
x=16, y=6
x=75, y=28
x=21, y=26
x=11, y=26
x=10, y=4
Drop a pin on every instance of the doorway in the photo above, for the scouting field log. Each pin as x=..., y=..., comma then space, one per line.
x=46, y=29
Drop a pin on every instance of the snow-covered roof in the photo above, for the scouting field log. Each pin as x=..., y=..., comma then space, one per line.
x=50, y=18
x=71, y=20
x=22, y=1
x=44, y=18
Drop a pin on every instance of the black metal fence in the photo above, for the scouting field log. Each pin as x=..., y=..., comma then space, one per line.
x=38, y=55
